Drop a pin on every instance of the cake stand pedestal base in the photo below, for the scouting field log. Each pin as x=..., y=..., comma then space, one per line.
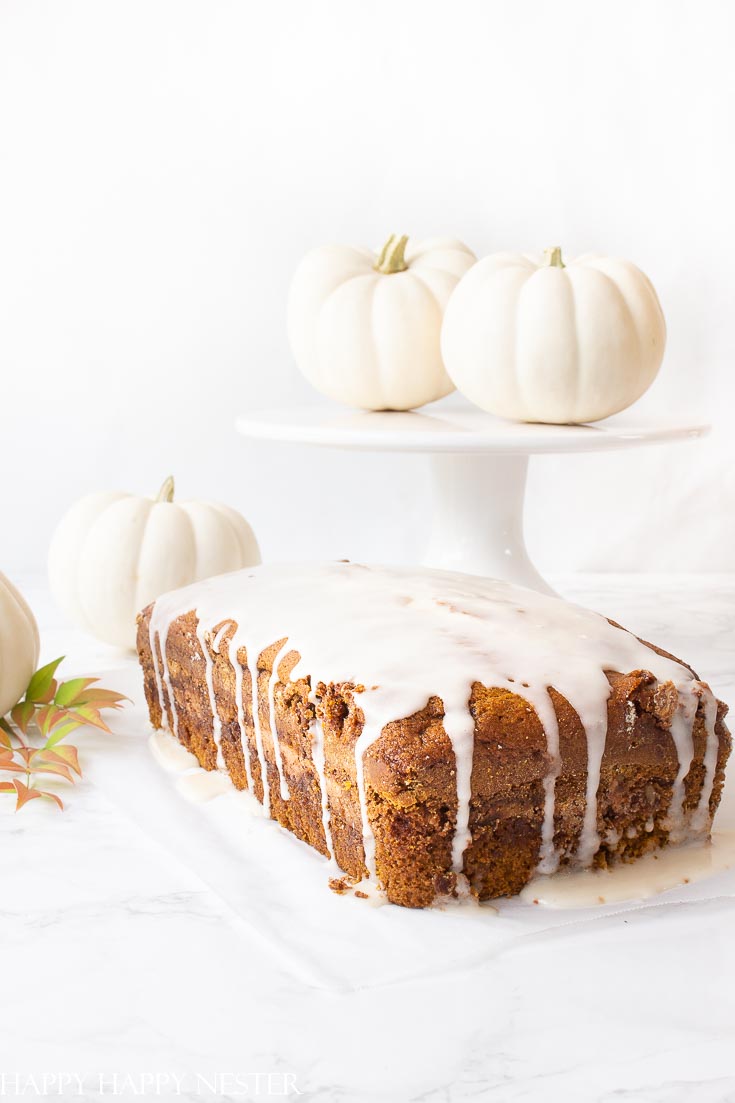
x=478, y=467
x=477, y=518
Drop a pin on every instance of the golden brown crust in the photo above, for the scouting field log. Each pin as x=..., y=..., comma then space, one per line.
x=409, y=770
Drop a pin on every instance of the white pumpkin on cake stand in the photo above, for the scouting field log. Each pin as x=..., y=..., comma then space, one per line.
x=538, y=341
x=365, y=327
x=562, y=344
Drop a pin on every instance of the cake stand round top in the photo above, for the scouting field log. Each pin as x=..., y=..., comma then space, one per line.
x=477, y=465
x=456, y=429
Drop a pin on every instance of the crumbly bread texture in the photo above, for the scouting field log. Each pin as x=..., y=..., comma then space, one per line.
x=410, y=781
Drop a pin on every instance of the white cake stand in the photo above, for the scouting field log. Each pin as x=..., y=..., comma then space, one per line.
x=478, y=466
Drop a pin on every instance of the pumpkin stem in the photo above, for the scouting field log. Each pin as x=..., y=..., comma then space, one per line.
x=553, y=257
x=166, y=493
x=392, y=258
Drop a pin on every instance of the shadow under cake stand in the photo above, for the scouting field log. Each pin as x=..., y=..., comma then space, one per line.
x=478, y=467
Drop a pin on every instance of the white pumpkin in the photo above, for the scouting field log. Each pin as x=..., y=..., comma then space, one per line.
x=113, y=553
x=553, y=342
x=19, y=645
x=366, y=330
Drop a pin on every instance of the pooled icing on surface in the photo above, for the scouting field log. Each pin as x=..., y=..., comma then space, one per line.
x=406, y=635
x=649, y=875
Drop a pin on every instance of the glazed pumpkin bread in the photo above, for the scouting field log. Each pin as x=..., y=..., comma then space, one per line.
x=436, y=733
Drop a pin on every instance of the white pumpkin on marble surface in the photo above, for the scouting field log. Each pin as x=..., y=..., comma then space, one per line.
x=113, y=553
x=365, y=328
x=19, y=645
x=551, y=341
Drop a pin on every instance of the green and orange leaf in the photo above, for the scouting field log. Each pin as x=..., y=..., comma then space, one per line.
x=51, y=709
x=25, y=754
x=42, y=766
x=13, y=767
x=90, y=715
x=62, y=730
x=22, y=715
x=28, y=793
x=104, y=698
x=67, y=755
x=72, y=692
x=42, y=682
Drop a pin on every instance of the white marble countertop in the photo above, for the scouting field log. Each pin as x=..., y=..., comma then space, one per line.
x=119, y=962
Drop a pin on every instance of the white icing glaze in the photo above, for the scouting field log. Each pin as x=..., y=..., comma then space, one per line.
x=170, y=754
x=403, y=635
x=202, y=785
x=192, y=782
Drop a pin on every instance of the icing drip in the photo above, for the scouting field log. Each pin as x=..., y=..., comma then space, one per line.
x=700, y=816
x=241, y=717
x=418, y=634
x=167, y=683
x=283, y=784
x=366, y=739
x=589, y=839
x=253, y=671
x=208, y=676
x=220, y=635
x=682, y=728
x=154, y=639
x=317, y=755
x=459, y=724
x=548, y=857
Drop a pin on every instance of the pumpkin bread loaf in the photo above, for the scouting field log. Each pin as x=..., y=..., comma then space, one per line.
x=474, y=787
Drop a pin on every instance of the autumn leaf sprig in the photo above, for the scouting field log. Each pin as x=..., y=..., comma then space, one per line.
x=49, y=712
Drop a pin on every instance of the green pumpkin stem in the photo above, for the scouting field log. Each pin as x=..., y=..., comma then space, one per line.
x=553, y=257
x=392, y=256
x=166, y=493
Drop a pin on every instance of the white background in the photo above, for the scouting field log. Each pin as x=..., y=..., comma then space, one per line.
x=164, y=166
